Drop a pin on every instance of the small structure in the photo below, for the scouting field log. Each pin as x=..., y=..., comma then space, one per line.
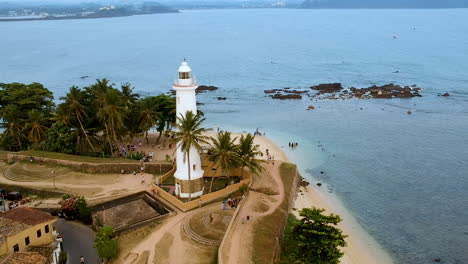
x=145, y=209
x=186, y=101
x=28, y=234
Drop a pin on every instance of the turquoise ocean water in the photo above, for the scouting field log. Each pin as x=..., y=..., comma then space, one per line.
x=404, y=177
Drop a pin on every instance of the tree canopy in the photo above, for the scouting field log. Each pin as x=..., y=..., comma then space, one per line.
x=106, y=247
x=315, y=239
x=92, y=120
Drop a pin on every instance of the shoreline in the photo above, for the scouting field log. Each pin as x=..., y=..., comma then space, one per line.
x=362, y=247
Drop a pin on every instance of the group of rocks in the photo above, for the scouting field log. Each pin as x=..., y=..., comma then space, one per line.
x=336, y=91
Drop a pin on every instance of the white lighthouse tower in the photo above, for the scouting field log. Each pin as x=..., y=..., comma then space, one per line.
x=186, y=101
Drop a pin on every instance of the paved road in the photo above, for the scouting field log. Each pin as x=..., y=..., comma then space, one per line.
x=78, y=240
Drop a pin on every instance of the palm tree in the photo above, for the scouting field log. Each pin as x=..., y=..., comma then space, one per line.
x=73, y=102
x=148, y=116
x=13, y=123
x=35, y=126
x=111, y=114
x=247, y=152
x=128, y=96
x=223, y=152
x=189, y=134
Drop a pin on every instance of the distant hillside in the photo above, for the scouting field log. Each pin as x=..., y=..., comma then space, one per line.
x=27, y=11
x=384, y=4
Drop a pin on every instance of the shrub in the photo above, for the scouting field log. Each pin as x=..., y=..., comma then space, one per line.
x=106, y=247
x=63, y=258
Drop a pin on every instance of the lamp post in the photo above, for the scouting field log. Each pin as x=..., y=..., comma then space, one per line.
x=53, y=178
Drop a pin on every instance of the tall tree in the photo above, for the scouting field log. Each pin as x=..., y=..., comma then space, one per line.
x=317, y=239
x=148, y=115
x=112, y=113
x=223, y=153
x=188, y=135
x=248, y=152
x=35, y=126
x=74, y=101
x=13, y=124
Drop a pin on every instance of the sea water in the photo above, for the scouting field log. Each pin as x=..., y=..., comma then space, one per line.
x=403, y=177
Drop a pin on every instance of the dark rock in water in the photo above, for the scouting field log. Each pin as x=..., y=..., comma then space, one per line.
x=396, y=72
x=321, y=172
x=204, y=88
x=84, y=77
x=437, y=260
x=221, y=98
x=271, y=91
x=286, y=96
x=409, y=112
x=295, y=91
x=444, y=94
x=304, y=183
x=328, y=87
x=319, y=184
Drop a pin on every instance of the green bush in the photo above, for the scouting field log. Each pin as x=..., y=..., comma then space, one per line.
x=63, y=258
x=135, y=156
x=106, y=247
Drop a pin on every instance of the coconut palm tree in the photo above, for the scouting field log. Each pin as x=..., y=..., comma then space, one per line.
x=35, y=126
x=247, y=151
x=74, y=103
x=112, y=113
x=13, y=123
x=189, y=134
x=148, y=116
x=223, y=153
x=128, y=96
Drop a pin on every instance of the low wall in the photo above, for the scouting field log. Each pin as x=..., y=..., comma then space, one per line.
x=159, y=167
x=206, y=198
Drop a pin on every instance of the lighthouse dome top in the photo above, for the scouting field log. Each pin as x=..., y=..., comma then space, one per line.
x=184, y=67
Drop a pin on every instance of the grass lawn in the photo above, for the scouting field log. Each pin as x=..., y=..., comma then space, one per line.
x=289, y=245
x=61, y=156
x=268, y=228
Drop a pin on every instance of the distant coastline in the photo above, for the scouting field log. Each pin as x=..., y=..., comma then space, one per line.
x=81, y=17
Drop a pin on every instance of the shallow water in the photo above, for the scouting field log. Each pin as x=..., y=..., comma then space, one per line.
x=403, y=176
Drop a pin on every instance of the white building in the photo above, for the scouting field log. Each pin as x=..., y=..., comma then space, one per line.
x=186, y=101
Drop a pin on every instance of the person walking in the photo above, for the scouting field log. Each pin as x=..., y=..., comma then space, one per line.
x=82, y=260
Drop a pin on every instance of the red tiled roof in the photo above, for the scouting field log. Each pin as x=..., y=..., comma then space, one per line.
x=25, y=258
x=28, y=216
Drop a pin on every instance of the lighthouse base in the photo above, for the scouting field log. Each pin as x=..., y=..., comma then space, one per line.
x=184, y=187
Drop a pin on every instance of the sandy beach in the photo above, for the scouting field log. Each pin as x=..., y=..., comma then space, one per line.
x=362, y=248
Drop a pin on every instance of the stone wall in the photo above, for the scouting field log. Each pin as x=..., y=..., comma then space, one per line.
x=206, y=198
x=158, y=167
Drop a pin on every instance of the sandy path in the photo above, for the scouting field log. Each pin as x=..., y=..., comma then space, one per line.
x=149, y=243
x=238, y=250
x=91, y=187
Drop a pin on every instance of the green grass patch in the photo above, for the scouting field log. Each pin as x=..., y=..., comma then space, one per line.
x=269, y=229
x=289, y=245
x=61, y=156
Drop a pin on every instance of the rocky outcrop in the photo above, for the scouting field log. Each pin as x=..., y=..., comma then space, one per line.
x=444, y=94
x=385, y=91
x=221, y=98
x=327, y=88
x=204, y=88
x=286, y=96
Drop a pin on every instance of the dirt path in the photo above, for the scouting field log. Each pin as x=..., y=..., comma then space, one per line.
x=176, y=245
x=237, y=250
x=93, y=186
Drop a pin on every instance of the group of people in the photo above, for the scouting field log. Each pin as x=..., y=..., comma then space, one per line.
x=258, y=133
x=232, y=203
x=293, y=145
